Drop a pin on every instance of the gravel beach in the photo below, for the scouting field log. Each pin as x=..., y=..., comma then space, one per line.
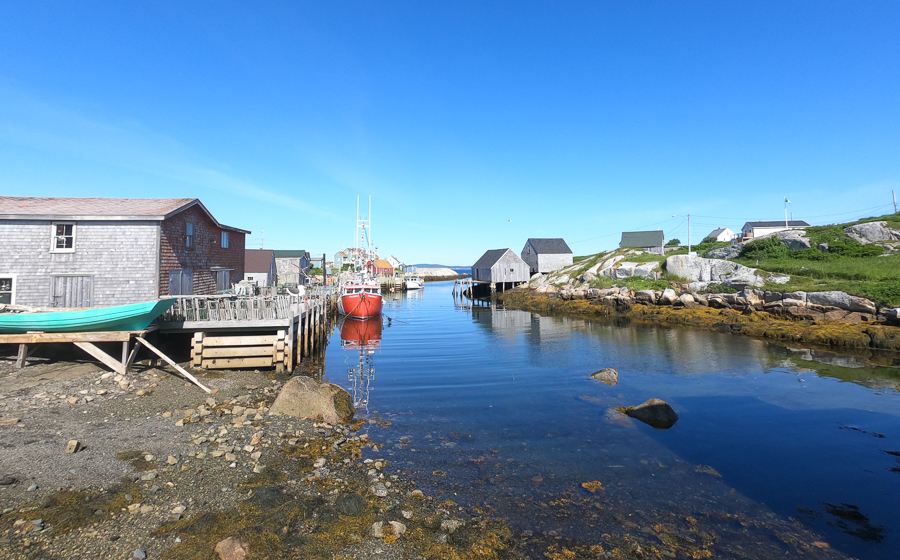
x=161, y=469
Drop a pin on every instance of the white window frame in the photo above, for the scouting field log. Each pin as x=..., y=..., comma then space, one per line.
x=12, y=299
x=53, y=237
x=225, y=240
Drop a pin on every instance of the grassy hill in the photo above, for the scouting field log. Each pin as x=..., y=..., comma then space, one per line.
x=849, y=266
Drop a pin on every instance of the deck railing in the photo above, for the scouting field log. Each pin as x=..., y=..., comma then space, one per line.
x=233, y=308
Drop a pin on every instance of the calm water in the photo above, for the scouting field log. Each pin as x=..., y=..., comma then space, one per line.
x=496, y=409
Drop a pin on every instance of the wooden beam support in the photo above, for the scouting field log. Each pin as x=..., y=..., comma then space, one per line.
x=102, y=356
x=23, y=356
x=35, y=338
x=172, y=363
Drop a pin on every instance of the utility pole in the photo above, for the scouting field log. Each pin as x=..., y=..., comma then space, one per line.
x=689, y=234
x=894, y=196
x=786, y=202
x=262, y=240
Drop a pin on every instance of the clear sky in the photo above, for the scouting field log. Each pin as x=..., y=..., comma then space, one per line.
x=472, y=124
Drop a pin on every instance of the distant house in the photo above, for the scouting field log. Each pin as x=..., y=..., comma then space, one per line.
x=259, y=267
x=651, y=241
x=394, y=261
x=546, y=255
x=722, y=235
x=500, y=266
x=292, y=267
x=752, y=230
x=340, y=259
x=85, y=252
x=317, y=261
x=380, y=267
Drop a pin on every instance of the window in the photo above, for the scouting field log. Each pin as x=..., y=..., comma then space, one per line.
x=7, y=295
x=189, y=236
x=224, y=239
x=63, y=238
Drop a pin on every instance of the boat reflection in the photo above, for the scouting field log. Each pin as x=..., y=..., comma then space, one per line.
x=363, y=335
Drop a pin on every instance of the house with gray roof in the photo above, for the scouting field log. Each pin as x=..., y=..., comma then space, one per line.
x=500, y=266
x=752, y=230
x=259, y=267
x=546, y=254
x=721, y=235
x=292, y=267
x=86, y=252
x=650, y=241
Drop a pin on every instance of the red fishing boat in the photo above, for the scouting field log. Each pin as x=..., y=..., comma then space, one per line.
x=361, y=299
x=360, y=292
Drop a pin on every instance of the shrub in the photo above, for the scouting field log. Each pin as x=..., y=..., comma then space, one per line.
x=768, y=248
x=716, y=288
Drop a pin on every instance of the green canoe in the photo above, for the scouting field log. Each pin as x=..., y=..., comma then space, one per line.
x=134, y=317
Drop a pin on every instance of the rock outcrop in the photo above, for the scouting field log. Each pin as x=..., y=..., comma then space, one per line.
x=872, y=232
x=698, y=269
x=654, y=412
x=794, y=238
x=725, y=252
x=305, y=397
x=606, y=375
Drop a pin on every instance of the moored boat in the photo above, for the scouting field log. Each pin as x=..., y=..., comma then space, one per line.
x=413, y=283
x=134, y=317
x=361, y=299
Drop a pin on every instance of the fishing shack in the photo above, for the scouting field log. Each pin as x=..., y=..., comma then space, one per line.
x=500, y=269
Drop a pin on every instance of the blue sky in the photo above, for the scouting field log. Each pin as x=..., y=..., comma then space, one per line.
x=473, y=125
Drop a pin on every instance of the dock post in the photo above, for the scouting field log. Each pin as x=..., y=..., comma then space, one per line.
x=23, y=355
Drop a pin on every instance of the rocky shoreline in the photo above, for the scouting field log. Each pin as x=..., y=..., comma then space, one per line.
x=160, y=469
x=823, y=319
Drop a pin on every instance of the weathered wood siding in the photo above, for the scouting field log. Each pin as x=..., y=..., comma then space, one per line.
x=119, y=257
x=510, y=268
x=205, y=254
x=551, y=262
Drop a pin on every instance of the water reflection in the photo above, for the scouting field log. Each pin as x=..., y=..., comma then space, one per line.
x=496, y=408
x=363, y=336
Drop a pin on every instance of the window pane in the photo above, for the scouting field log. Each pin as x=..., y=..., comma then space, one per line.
x=68, y=229
x=190, y=229
x=60, y=230
x=5, y=297
x=60, y=242
x=5, y=284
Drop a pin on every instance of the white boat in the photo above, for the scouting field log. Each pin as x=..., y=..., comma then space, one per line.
x=413, y=283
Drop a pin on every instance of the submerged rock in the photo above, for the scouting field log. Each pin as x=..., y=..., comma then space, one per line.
x=654, y=412
x=305, y=397
x=606, y=375
x=233, y=549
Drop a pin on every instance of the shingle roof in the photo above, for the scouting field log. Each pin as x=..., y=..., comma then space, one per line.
x=489, y=257
x=549, y=246
x=716, y=232
x=290, y=254
x=53, y=208
x=258, y=260
x=773, y=223
x=642, y=239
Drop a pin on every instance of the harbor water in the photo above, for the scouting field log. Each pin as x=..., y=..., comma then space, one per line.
x=776, y=451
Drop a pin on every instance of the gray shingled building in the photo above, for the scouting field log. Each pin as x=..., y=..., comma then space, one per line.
x=651, y=241
x=546, y=254
x=500, y=266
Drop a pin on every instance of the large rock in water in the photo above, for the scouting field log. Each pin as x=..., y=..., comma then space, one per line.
x=655, y=412
x=606, y=375
x=305, y=397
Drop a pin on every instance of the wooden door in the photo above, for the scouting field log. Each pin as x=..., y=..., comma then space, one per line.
x=181, y=282
x=72, y=291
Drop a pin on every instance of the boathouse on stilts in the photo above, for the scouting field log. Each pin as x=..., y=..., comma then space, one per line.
x=496, y=271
